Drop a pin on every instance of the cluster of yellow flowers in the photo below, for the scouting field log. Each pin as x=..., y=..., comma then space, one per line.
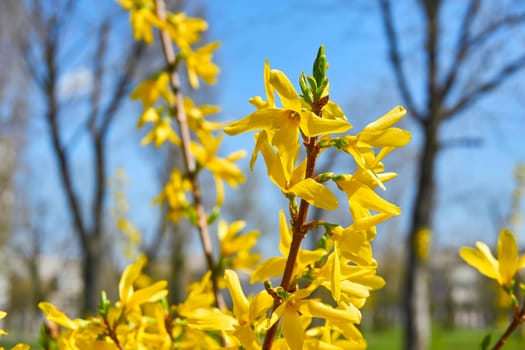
x=20, y=346
x=330, y=283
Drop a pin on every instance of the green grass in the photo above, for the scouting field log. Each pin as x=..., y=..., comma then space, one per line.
x=463, y=339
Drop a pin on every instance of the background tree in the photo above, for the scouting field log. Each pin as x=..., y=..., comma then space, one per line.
x=454, y=80
x=48, y=53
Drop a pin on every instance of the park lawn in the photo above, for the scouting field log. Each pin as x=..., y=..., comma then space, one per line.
x=442, y=339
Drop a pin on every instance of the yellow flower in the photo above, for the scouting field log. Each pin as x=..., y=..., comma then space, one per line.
x=175, y=193
x=502, y=269
x=196, y=114
x=311, y=191
x=223, y=168
x=151, y=89
x=235, y=248
x=422, y=243
x=198, y=312
x=3, y=315
x=296, y=313
x=199, y=64
x=378, y=134
x=162, y=130
x=283, y=124
x=183, y=30
x=362, y=199
x=57, y=316
x=247, y=312
x=130, y=298
x=275, y=265
x=142, y=18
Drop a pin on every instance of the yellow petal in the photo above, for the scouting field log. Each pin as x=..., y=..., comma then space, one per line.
x=292, y=329
x=269, y=268
x=476, y=259
x=336, y=276
x=263, y=119
x=55, y=315
x=389, y=119
x=507, y=256
x=267, y=87
x=149, y=294
x=312, y=125
x=333, y=111
x=211, y=320
x=315, y=193
x=285, y=90
x=344, y=314
x=285, y=236
x=286, y=140
x=129, y=276
x=260, y=304
x=240, y=302
x=392, y=137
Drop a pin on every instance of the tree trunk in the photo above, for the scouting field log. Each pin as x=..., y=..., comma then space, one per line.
x=416, y=295
x=92, y=266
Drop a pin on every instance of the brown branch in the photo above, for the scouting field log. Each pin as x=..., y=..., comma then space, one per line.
x=298, y=226
x=467, y=43
x=431, y=11
x=517, y=319
x=493, y=28
x=483, y=88
x=189, y=160
x=50, y=87
x=100, y=156
x=462, y=48
x=122, y=87
x=395, y=60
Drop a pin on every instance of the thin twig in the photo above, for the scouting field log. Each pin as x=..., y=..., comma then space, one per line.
x=298, y=226
x=517, y=319
x=189, y=160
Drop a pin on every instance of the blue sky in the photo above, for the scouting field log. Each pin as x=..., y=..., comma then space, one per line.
x=472, y=182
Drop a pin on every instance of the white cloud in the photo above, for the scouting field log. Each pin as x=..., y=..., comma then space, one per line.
x=75, y=83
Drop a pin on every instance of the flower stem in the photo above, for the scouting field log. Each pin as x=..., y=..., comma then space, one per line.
x=298, y=225
x=517, y=319
x=189, y=159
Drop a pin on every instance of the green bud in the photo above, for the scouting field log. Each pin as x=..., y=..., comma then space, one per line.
x=313, y=83
x=320, y=66
x=325, y=177
x=321, y=243
x=307, y=93
x=104, y=303
x=192, y=214
x=214, y=215
x=282, y=293
x=267, y=285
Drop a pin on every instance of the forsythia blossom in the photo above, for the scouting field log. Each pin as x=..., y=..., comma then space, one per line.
x=502, y=269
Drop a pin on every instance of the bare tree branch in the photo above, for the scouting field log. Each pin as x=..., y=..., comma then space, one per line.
x=468, y=42
x=50, y=85
x=395, y=59
x=123, y=86
x=462, y=48
x=431, y=10
x=483, y=88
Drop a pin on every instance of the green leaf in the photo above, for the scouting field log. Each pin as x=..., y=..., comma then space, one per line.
x=486, y=342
